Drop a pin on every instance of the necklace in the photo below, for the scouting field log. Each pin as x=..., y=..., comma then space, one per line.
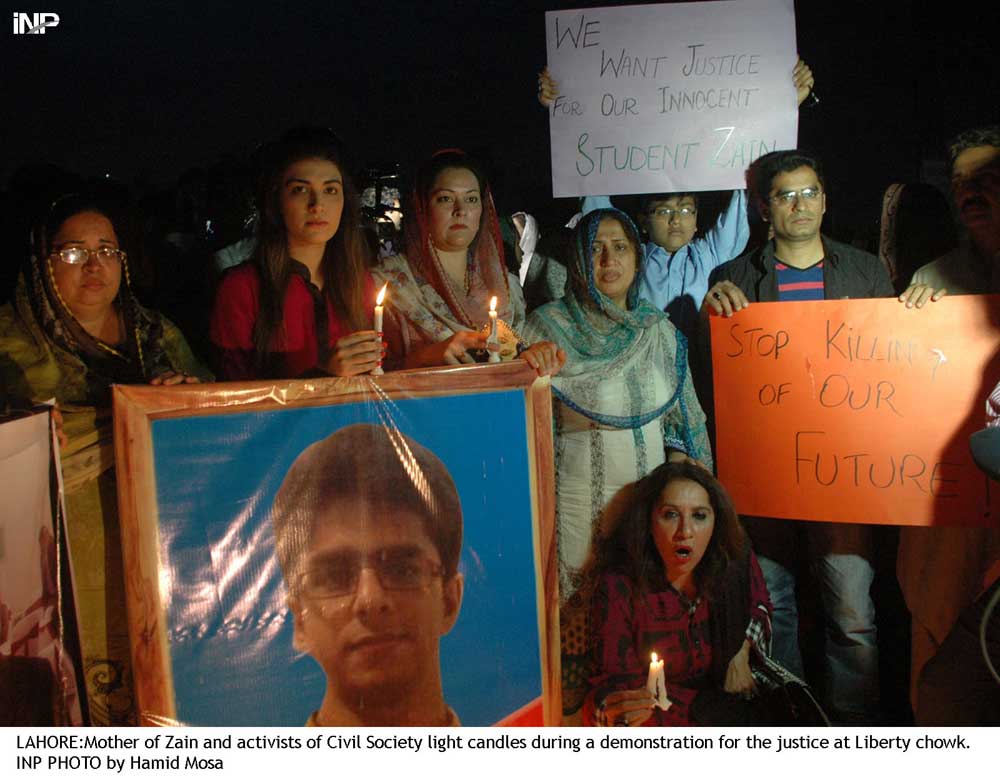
x=470, y=269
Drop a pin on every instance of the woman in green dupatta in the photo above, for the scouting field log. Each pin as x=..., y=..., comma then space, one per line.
x=623, y=404
x=73, y=329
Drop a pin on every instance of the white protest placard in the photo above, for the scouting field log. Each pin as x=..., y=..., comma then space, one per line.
x=661, y=98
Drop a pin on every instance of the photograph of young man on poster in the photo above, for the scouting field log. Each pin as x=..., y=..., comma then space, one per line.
x=368, y=527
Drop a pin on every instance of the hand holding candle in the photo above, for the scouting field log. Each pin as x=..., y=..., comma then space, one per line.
x=656, y=683
x=494, y=337
x=378, y=323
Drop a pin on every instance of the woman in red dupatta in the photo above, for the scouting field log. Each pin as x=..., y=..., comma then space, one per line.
x=440, y=291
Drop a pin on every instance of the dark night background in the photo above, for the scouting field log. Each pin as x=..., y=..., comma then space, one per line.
x=146, y=90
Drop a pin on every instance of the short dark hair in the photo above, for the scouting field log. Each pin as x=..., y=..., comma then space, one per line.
x=761, y=175
x=973, y=138
x=623, y=542
x=385, y=468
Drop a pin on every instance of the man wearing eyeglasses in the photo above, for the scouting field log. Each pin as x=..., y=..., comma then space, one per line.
x=678, y=264
x=368, y=526
x=798, y=264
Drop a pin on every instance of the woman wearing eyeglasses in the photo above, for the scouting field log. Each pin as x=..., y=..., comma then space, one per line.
x=73, y=329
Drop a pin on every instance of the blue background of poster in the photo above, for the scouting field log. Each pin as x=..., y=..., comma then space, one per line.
x=229, y=628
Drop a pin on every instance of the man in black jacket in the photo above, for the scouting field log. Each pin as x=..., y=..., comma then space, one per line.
x=799, y=263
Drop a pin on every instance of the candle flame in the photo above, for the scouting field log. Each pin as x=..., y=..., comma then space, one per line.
x=493, y=304
x=381, y=294
x=653, y=659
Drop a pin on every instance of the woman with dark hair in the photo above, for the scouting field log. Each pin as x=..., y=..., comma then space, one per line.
x=303, y=303
x=672, y=573
x=440, y=291
x=73, y=330
x=625, y=401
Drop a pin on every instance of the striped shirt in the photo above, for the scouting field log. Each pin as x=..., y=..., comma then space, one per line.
x=795, y=285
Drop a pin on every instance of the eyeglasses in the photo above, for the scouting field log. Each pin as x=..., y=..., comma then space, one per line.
x=105, y=254
x=669, y=213
x=787, y=198
x=396, y=570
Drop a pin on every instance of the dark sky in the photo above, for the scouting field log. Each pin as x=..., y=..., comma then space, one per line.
x=148, y=89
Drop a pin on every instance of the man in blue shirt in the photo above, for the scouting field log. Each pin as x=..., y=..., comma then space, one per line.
x=678, y=265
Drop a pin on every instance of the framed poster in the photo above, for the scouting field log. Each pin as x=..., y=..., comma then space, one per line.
x=39, y=661
x=342, y=551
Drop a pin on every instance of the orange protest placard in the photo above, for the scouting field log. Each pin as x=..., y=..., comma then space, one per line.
x=856, y=411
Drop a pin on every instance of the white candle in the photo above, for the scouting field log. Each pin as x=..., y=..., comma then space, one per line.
x=656, y=683
x=494, y=338
x=378, y=308
x=378, y=323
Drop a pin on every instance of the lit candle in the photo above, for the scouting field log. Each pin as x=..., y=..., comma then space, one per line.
x=378, y=324
x=494, y=338
x=656, y=683
x=378, y=308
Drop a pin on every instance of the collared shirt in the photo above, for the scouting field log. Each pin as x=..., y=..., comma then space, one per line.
x=848, y=273
x=678, y=282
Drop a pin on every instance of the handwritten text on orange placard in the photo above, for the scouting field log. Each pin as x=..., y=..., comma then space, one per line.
x=856, y=410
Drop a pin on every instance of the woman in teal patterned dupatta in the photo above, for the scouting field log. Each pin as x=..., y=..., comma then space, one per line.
x=624, y=402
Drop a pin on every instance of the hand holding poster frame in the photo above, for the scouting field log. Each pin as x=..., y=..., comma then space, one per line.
x=856, y=411
x=669, y=98
x=216, y=635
